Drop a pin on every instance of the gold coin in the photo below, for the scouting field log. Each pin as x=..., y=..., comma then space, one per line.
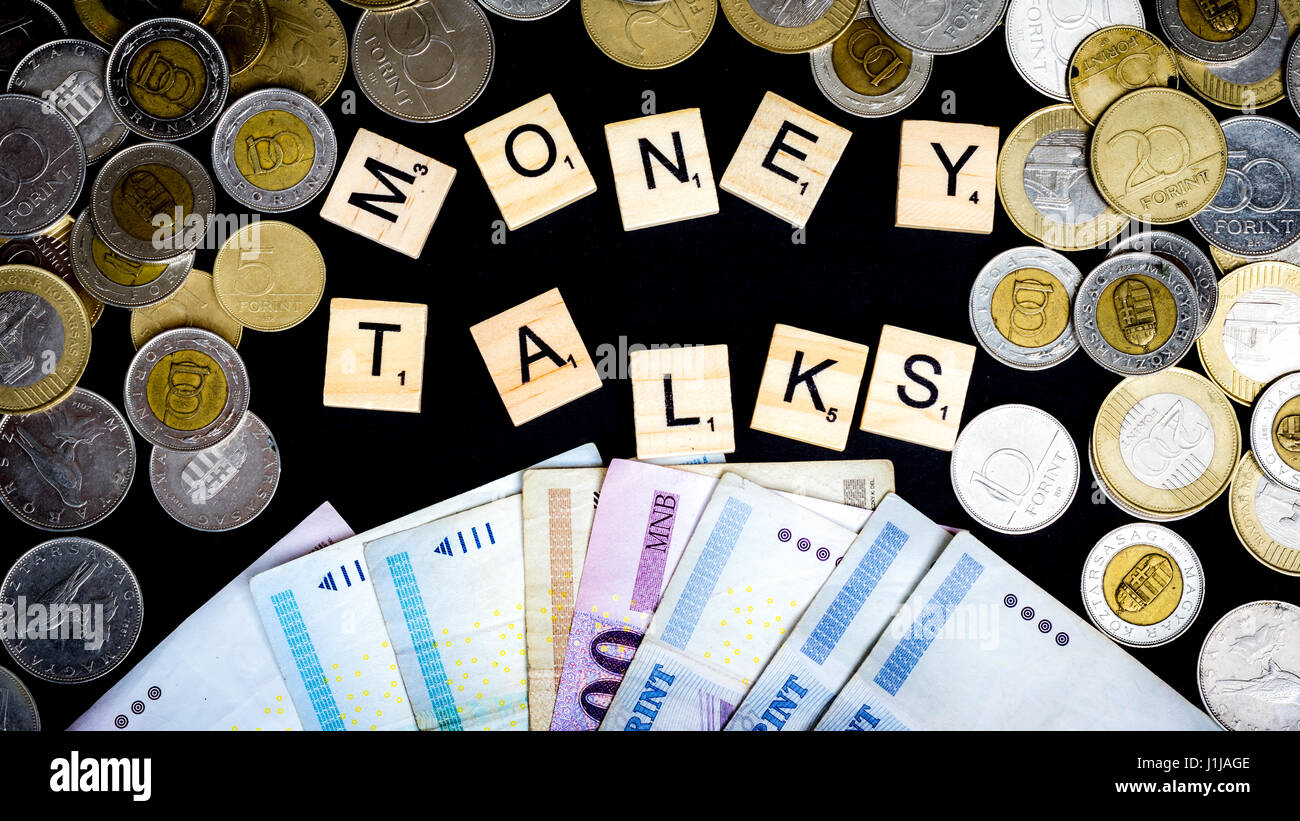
x=1158, y=155
x=269, y=276
x=44, y=339
x=1255, y=81
x=1165, y=444
x=868, y=61
x=1024, y=310
x=99, y=21
x=1226, y=262
x=1113, y=61
x=285, y=169
x=1045, y=185
x=186, y=390
x=649, y=36
x=1254, y=335
x=1266, y=517
x=242, y=27
x=1142, y=584
x=306, y=52
x=1136, y=314
x=791, y=28
x=167, y=79
x=380, y=5
x=195, y=305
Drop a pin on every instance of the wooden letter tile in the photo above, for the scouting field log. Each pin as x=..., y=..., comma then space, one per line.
x=374, y=358
x=918, y=388
x=535, y=356
x=661, y=169
x=810, y=387
x=530, y=162
x=681, y=400
x=388, y=193
x=785, y=159
x=947, y=176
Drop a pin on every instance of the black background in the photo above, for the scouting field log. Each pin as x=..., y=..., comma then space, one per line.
x=722, y=279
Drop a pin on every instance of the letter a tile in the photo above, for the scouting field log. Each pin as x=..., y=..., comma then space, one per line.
x=388, y=193
x=947, y=176
x=681, y=401
x=374, y=357
x=661, y=169
x=810, y=387
x=785, y=159
x=530, y=162
x=536, y=357
x=918, y=388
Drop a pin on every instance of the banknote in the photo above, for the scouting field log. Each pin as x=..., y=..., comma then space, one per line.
x=691, y=459
x=856, y=482
x=753, y=565
x=215, y=671
x=559, y=506
x=978, y=646
x=845, y=619
x=325, y=627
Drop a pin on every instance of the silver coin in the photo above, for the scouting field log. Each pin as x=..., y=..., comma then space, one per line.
x=1024, y=340
x=194, y=407
x=78, y=610
x=1042, y=38
x=534, y=9
x=426, y=62
x=1275, y=431
x=1183, y=253
x=1257, y=210
x=154, y=93
x=153, y=184
x=879, y=63
x=1293, y=75
x=42, y=165
x=1121, y=287
x=17, y=707
x=938, y=28
x=1154, y=592
x=219, y=488
x=24, y=25
x=156, y=280
x=1249, y=666
x=69, y=74
x=68, y=467
x=240, y=159
x=1226, y=19
x=1015, y=469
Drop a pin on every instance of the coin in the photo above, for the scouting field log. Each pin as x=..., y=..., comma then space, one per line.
x=1266, y=517
x=152, y=202
x=1015, y=469
x=1190, y=259
x=1020, y=308
x=186, y=390
x=79, y=610
x=1158, y=155
x=269, y=275
x=44, y=339
x=70, y=75
x=1043, y=35
x=1254, y=81
x=274, y=150
x=782, y=27
x=99, y=21
x=193, y=306
x=379, y=5
x=1119, y=502
x=868, y=73
x=1254, y=336
x=219, y=488
x=1142, y=585
x=1045, y=185
x=1136, y=313
x=25, y=25
x=42, y=165
x=939, y=28
x=648, y=37
x=307, y=52
x=118, y=280
x=68, y=467
x=1166, y=444
x=17, y=707
x=1113, y=61
x=54, y=256
x=1248, y=667
x=1255, y=211
x=167, y=79
x=1275, y=431
x=1292, y=69
x=424, y=63
x=108, y=20
x=524, y=9
x=1217, y=31
x=242, y=27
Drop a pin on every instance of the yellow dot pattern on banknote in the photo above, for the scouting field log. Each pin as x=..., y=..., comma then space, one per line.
x=749, y=628
x=476, y=647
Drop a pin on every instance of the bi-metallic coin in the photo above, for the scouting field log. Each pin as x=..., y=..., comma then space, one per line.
x=1020, y=308
x=1183, y=253
x=1142, y=585
x=1136, y=313
x=44, y=339
x=1218, y=31
x=1254, y=336
x=274, y=150
x=1264, y=517
x=167, y=79
x=1275, y=431
x=119, y=280
x=868, y=73
x=152, y=202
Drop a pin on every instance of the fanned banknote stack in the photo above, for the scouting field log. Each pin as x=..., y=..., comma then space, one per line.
x=571, y=596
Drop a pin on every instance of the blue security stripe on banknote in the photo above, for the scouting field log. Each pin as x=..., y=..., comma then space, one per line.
x=665, y=691
x=444, y=715
x=787, y=689
x=304, y=656
x=856, y=709
x=704, y=576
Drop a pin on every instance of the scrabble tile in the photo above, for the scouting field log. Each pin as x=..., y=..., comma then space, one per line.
x=374, y=357
x=536, y=357
x=681, y=401
x=661, y=169
x=932, y=196
x=530, y=162
x=810, y=387
x=918, y=388
x=388, y=193
x=785, y=159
